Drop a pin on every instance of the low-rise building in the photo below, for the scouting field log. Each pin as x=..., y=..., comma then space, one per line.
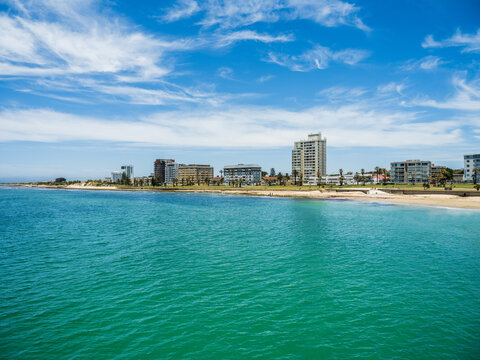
x=471, y=162
x=216, y=180
x=410, y=172
x=348, y=179
x=194, y=174
x=249, y=173
x=270, y=180
x=117, y=176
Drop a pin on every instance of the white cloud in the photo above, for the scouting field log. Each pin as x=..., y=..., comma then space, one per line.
x=391, y=87
x=182, y=9
x=225, y=73
x=466, y=96
x=337, y=94
x=230, y=38
x=319, y=57
x=237, y=13
x=102, y=48
x=427, y=63
x=469, y=42
x=260, y=127
x=265, y=78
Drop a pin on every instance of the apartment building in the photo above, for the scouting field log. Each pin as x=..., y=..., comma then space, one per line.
x=309, y=157
x=171, y=172
x=128, y=170
x=159, y=169
x=117, y=176
x=471, y=162
x=194, y=173
x=249, y=173
x=411, y=172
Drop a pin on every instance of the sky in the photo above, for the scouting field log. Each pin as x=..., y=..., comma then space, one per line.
x=87, y=86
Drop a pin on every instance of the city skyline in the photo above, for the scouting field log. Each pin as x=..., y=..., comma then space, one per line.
x=89, y=86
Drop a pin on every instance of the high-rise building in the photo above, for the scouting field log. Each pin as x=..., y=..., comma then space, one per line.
x=171, y=172
x=159, y=169
x=410, y=171
x=249, y=173
x=193, y=173
x=309, y=158
x=471, y=162
x=128, y=170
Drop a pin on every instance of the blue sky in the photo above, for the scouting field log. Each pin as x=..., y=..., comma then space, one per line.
x=87, y=86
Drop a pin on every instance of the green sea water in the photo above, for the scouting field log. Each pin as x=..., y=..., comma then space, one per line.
x=141, y=275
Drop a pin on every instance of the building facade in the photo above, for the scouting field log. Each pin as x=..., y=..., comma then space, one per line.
x=309, y=157
x=348, y=179
x=117, y=176
x=128, y=170
x=171, y=172
x=194, y=174
x=471, y=162
x=410, y=172
x=159, y=169
x=249, y=173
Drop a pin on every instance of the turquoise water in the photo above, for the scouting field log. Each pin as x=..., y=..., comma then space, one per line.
x=130, y=275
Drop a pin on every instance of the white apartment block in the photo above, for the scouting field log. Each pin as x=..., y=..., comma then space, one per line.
x=249, y=173
x=171, y=172
x=128, y=170
x=309, y=157
x=471, y=162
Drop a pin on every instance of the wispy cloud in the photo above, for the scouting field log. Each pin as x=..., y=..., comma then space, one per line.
x=338, y=94
x=181, y=10
x=225, y=73
x=391, y=87
x=238, y=13
x=469, y=42
x=265, y=78
x=319, y=58
x=260, y=127
x=427, y=63
x=466, y=96
x=222, y=40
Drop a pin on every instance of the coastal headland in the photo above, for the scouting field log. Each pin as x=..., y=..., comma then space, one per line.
x=461, y=199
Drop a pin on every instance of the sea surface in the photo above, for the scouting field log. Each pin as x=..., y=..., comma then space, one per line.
x=143, y=275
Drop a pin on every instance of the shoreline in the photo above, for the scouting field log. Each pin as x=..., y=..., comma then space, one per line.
x=364, y=194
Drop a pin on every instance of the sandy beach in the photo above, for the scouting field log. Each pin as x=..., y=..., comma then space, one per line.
x=442, y=200
x=364, y=194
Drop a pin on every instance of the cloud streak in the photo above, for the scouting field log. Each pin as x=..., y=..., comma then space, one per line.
x=238, y=13
x=318, y=58
x=465, y=98
x=469, y=42
x=255, y=127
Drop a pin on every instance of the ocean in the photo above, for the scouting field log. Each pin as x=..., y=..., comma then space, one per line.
x=144, y=275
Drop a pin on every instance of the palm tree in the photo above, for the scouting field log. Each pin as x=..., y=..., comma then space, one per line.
x=474, y=176
x=280, y=178
x=295, y=174
x=341, y=177
x=363, y=175
x=319, y=178
x=377, y=170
